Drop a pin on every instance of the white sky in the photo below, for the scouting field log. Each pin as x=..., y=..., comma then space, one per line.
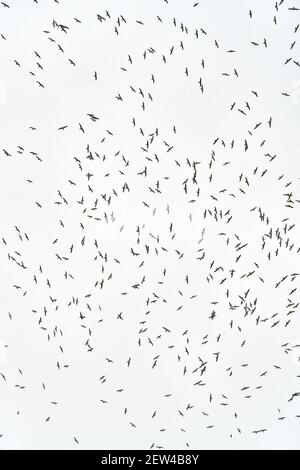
x=69, y=94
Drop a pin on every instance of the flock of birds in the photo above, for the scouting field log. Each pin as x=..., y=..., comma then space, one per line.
x=150, y=263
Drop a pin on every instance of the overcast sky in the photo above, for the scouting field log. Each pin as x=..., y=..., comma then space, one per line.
x=54, y=312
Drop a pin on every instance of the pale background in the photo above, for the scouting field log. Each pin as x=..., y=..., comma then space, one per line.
x=69, y=94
